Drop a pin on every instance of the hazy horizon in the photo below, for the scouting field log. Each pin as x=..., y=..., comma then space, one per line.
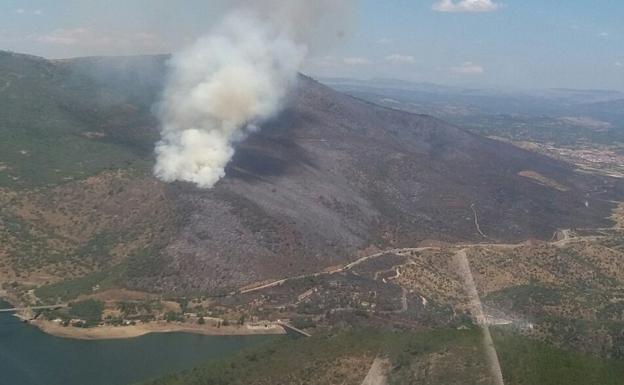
x=483, y=43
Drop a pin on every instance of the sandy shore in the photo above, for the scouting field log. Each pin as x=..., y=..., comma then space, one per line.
x=120, y=332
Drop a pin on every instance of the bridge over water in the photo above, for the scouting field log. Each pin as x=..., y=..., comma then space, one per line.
x=288, y=326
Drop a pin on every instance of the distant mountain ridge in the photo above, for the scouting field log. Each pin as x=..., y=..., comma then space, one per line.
x=549, y=115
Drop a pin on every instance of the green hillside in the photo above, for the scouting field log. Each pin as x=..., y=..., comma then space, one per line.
x=57, y=124
x=432, y=357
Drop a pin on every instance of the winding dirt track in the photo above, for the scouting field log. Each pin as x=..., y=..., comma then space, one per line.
x=476, y=221
x=566, y=233
x=334, y=271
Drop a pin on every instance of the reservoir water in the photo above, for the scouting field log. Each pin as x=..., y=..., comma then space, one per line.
x=30, y=357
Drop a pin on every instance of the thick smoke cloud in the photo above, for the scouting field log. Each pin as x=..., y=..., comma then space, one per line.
x=227, y=83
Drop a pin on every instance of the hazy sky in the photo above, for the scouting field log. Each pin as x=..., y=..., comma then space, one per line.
x=519, y=43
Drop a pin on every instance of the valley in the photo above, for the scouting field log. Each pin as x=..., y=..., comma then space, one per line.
x=592, y=158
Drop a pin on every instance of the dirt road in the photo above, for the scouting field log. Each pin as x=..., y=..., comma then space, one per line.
x=334, y=271
x=566, y=233
x=476, y=221
x=479, y=318
x=377, y=374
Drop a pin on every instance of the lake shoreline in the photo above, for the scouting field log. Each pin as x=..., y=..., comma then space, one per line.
x=29, y=356
x=108, y=332
x=132, y=331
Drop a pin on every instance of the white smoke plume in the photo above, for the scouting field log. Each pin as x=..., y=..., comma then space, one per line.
x=225, y=84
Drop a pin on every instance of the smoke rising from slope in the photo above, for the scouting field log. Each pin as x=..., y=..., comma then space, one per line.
x=227, y=83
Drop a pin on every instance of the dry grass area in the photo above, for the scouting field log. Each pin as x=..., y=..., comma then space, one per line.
x=433, y=275
x=572, y=295
x=116, y=295
x=543, y=180
x=78, y=227
x=6, y=196
x=582, y=262
x=618, y=215
x=378, y=372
